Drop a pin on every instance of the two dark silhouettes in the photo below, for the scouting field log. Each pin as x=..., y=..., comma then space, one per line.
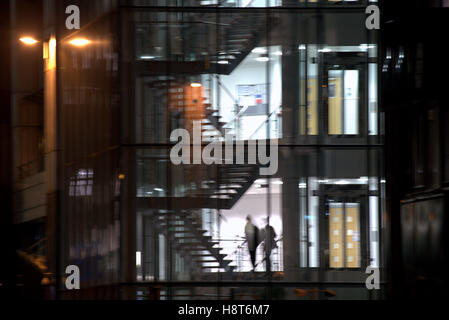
x=254, y=237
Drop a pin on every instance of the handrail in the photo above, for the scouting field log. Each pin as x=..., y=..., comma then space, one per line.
x=263, y=122
x=265, y=256
x=225, y=89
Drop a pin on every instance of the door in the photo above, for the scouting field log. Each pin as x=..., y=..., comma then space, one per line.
x=343, y=92
x=343, y=227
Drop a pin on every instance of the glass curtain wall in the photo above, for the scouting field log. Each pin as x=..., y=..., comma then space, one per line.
x=168, y=168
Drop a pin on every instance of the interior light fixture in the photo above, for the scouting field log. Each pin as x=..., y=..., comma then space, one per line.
x=147, y=57
x=195, y=84
x=365, y=46
x=363, y=179
x=28, y=40
x=342, y=182
x=223, y=62
x=259, y=50
x=262, y=58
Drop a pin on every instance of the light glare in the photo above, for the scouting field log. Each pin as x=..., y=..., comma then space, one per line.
x=28, y=40
x=79, y=42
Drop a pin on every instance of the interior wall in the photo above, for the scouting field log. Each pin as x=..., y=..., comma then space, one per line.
x=251, y=71
x=253, y=203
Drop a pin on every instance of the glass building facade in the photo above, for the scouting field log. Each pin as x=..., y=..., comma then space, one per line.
x=300, y=77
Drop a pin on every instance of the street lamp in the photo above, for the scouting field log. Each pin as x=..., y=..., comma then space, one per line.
x=28, y=40
x=79, y=42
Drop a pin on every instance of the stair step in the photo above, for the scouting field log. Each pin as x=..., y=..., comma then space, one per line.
x=221, y=255
x=219, y=196
x=204, y=245
x=191, y=244
x=233, y=179
x=221, y=262
x=185, y=231
x=207, y=238
x=224, y=194
x=205, y=261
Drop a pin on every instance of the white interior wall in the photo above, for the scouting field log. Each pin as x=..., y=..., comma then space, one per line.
x=254, y=203
x=251, y=71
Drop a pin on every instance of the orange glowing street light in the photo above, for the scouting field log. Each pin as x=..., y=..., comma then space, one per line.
x=28, y=40
x=79, y=42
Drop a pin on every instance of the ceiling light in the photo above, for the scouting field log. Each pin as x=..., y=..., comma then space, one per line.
x=302, y=47
x=223, y=62
x=259, y=50
x=147, y=57
x=262, y=59
x=278, y=53
x=342, y=182
x=195, y=84
x=365, y=46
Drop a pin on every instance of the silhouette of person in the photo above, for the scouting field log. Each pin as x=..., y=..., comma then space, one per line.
x=251, y=235
x=269, y=239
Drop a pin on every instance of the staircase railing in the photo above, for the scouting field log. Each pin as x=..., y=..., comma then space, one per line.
x=272, y=117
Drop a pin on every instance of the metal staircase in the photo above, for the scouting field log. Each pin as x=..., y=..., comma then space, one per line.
x=229, y=38
x=239, y=34
x=188, y=238
x=223, y=187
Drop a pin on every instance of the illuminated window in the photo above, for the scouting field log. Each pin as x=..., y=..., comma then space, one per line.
x=81, y=184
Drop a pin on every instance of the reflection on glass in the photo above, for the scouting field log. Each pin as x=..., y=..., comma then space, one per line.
x=343, y=101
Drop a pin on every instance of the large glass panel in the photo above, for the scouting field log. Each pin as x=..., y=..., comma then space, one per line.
x=344, y=235
x=336, y=235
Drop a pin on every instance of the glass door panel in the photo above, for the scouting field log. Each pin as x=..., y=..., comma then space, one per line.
x=335, y=101
x=344, y=235
x=343, y=102
x=343, y=94
x=352, y=235
x=336, y=240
